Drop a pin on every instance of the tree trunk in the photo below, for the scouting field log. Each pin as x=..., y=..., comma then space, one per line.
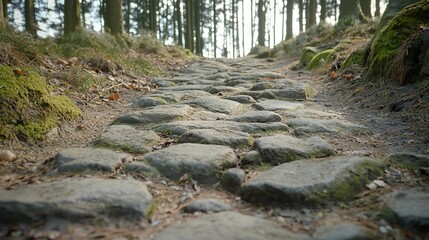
x=261, y=23
x=349, y=9
x=366, y=8
x=30, y=20
x=225, y=32
x=252, y=22
x=198, y=35
x=323, y=11
x=301, y=15
x=113, y=17
x=283, y=18
x=4, y=11
x=152, y=12
x=311, y=13
x=214, y=28
x=233, y=28
x=237, y=31
x=289, y=20
x=2, y=18
x=274, y=23
x=189, y=34
x=242, y=28
x=377, y=8
x=179, y=23
x=71, y=16
x=128, y=17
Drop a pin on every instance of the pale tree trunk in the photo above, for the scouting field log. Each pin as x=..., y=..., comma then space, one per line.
x=71, y=16
x=179, y=23
x=289, y=19
x=261, y=23
x=301, y=15
x=198, y=37
x=252, y=27
x=2, y=18
x=322, y=11
x=214, y=28
x=30, y=20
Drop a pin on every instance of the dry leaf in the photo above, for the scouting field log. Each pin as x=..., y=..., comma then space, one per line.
x=333, y=75
x=6, y=155
x=19, y=72
x=348, y=76
x=114, y=96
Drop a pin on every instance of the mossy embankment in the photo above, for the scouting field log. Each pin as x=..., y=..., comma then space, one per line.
x=40, y=79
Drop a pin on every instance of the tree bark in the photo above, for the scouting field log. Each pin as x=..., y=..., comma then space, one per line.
x=214, y=28
x=261, y=23
x=198, y=35
x=366, y=8
x=350, y=9
x=2, y=18
x=153, y=5
x=179, y=23
x=225, y=32
x=128, y=17
x=71, y=16
x=322, y=11
x=237, y=31
x=189, y=34
x=233, y=27
x=301, y=15
x=4, y=10
x=289, y=20
x=252, y=27
x=113, y=17
x=311, y=13
x=30, y=20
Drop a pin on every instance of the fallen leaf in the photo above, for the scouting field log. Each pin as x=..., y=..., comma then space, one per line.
x=114, y=96
x=333, y=75
x=348, y=76
x=6, y=155
x=19, y=72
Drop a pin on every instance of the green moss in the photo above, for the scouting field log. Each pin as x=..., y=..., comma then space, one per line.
x=27, y=107
x=321, y=59
x=354, y=58
x=385, y=45
x=345, y=189
x=307, y=55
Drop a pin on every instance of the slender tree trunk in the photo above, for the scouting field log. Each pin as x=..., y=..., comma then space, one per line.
x=377, y=8
x=189, y=35
x=198, y=35
x=366, y=8
x=128, y=17
x=225, y=31
x=322, y=11
x=214, y=11
x=71, y=16
x=5, y=13
x=237, y=30
x=349, y=9
x=289, y=20
x=233, y=28
x=179, y=22
x=335, y=10
x=113, y=17
x=301, y=15
x=2, y=18
x=167, y=23
x=242, y=28
x=153, y=5
x=274, y=22
x=252, y=22
x=261, y=23
x=311, y=13
x=30, y=20
x=283, y=18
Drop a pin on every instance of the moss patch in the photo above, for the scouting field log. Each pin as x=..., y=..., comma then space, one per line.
x=406, y=24
x=307, y=55
x=353, y=58
x=27, y=109
x=321, y=59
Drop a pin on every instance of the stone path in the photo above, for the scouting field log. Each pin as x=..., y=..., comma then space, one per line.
x=235, y=127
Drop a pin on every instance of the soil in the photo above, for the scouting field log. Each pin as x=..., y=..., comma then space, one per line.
x=393, y=132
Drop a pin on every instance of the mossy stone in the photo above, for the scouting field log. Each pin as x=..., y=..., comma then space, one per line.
x=353, y=58
x=28, y=108
x=307, y=55
x=321, y=59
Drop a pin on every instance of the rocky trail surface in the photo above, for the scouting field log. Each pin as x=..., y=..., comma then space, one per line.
x=231, y=149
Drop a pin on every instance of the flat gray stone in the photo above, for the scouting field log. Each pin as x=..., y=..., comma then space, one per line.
x=305, y=126
x=233, y=139
x=206, y=205
x=224, y=89
x=201, y=162
x=257, y=116
x=311, y=113
x=244, y=99
x=89, y=159
x=174, y=96
x=162, y=82
x=235, y=82
x=409, y=160
x=102, y=201
x=180, y=127
x=145, y=102
x=128, y=139
x=261, y=86
x=312, y=182
x=301, y=92
x=282, y=148
x=140, y=168
x=263, y=94
x=343, y=231
x=274, y=105
x=164, y=113
x=251, y=158
x=216, y=104
x=205, y=88
x=408, y=208
x=208, y=116
x=227, y=225
x=232, y=179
